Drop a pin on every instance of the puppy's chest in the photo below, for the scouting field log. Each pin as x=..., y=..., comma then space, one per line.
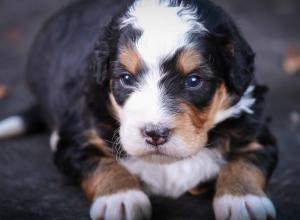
x=175, y=179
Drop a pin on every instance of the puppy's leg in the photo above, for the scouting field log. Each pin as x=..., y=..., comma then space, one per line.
x=114, y=192
x=241, y=185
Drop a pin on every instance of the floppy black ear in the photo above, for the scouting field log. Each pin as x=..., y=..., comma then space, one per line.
x=98, y=72
x=98, y=67
x=239, y=55
x=242, y=64
x=98, y=64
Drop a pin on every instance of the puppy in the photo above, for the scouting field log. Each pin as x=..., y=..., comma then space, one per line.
x=151, y=97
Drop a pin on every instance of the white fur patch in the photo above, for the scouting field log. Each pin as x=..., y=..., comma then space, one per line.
x=12, y=127
x=247, y=207
x=133, y=205
x=54, y=139
x=176, y=178
x=144, y=106
x=244, y=105
x=165, y=28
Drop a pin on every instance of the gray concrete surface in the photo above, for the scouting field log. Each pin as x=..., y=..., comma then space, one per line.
x=30, y=186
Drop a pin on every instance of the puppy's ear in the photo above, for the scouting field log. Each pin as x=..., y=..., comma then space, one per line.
x=240, y=57
x=242, y=68
x=100, y=57
x=96, y=86
x=99, y=62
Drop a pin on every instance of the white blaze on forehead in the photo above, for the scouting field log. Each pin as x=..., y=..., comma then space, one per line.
x=164, y=28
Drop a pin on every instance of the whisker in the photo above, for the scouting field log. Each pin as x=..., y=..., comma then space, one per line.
x=116, y=145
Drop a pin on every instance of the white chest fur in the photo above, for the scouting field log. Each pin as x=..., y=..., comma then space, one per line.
x=174, y=179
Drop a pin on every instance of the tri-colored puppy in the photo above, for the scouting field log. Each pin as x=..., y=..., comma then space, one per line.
x=159, y=100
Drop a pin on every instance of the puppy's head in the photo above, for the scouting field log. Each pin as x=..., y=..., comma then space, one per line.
x=175, y=71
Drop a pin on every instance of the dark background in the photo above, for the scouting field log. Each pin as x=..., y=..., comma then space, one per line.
x=30, y=186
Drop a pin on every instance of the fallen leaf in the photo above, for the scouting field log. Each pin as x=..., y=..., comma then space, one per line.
x=291, y=63
x=14, y=34
x=3, y=91
x=295, y=118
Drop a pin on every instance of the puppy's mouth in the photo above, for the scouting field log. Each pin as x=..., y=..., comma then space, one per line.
x=158, y=156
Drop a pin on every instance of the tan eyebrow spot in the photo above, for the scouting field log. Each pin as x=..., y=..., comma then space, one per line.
x=131, y=60
x=188, y=60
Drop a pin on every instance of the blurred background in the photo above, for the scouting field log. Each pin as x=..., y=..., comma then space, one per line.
x=32, y=188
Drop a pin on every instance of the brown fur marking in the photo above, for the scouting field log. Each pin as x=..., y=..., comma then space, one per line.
x=104, y=126
x=254, y=146
x=189, y=126
x=220, y=102
x=202, y=188
x=110, y=177
x=131, y=60
x=193, y=125
x=240, y=178
x=188, y=61
x=198, y=191
x=96, y=141
x=114, y=107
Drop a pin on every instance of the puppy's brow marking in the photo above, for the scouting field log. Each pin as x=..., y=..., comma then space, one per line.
x=188, y=60
x=131, y=60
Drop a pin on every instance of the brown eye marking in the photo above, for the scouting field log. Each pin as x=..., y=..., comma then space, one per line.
x=188, y=60
x=131, y=60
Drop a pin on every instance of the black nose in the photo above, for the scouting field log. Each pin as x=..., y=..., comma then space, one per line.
x=156, y=134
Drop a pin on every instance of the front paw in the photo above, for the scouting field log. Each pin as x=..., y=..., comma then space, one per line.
x=249, y=207
x=128, y=205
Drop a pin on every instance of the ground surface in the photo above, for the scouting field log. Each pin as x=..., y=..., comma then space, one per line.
x=30, y=186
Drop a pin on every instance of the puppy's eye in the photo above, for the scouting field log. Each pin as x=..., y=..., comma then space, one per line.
x=193, y=81
x=127, y=80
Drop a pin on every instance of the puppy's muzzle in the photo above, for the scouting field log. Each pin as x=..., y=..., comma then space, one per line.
x=156, y=135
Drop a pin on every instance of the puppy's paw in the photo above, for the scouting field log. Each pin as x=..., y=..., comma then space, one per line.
x=248, y=207
x=129, y=205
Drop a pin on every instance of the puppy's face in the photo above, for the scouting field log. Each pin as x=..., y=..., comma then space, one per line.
x=167, y=86
x=166, y=110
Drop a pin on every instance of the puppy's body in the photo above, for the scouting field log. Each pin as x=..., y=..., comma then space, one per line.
x=186, y=74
